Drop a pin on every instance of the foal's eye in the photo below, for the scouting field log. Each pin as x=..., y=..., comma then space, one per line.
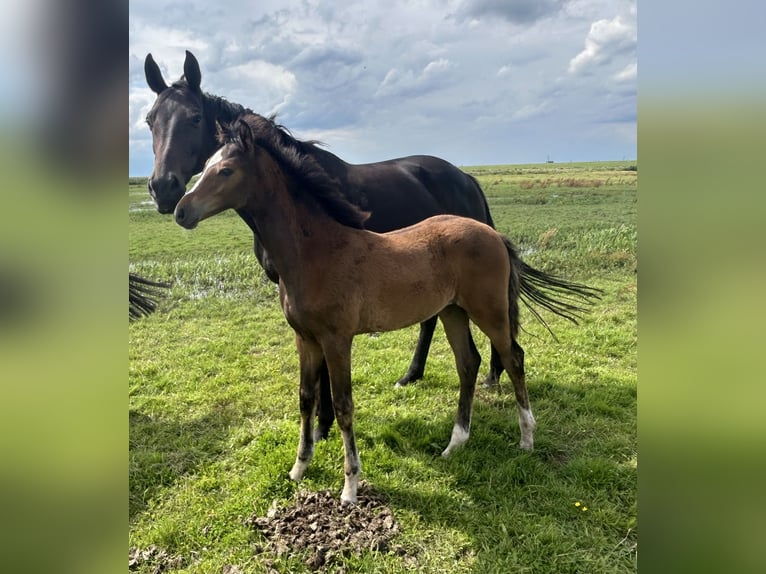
x=225, y=171
x=196, y=119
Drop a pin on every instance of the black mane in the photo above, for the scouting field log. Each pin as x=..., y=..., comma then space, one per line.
x=296, y=157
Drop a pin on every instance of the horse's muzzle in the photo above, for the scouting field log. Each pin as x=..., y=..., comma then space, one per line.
x=166, y=192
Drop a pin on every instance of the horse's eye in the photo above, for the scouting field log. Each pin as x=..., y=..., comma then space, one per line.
x=225, y=171
x=196, y=119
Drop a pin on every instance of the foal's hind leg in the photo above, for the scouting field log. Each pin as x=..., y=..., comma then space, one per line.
x=311, y=362
x=527, y=422
x=513, y=359
x=325, y=412
x=418, y=364
x=467, y=359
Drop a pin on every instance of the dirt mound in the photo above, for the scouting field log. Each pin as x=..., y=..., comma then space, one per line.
x=157, y=560
x=318, y=524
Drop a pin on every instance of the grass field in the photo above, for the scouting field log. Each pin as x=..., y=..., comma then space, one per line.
x=214, y=403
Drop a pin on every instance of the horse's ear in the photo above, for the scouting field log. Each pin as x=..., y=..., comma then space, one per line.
x=153, y=75
x=192, y=72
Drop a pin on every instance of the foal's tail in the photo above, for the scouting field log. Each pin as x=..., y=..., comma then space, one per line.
x=143, y=294
x=564, y=298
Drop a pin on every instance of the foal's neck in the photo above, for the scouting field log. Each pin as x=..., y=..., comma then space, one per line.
x=292, y=231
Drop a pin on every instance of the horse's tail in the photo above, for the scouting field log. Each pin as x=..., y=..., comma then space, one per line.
x=560, y=296
x=487, y=215
x=143, y=294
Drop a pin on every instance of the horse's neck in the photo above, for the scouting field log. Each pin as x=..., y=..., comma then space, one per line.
x=218, y=110
x=331, y=163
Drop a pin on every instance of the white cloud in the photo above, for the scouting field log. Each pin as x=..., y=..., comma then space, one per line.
x=140, y=101
x=409, y=83
x=628, y=73
x=530, y=111
x=605, y=40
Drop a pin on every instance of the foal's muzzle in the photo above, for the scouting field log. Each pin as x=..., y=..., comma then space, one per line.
x=184, y=217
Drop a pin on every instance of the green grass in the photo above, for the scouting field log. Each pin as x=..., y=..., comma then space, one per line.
x=214, y=401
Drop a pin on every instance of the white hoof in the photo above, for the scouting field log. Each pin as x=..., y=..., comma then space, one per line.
x=296, y=473
x=348, y=496
x=459, y=436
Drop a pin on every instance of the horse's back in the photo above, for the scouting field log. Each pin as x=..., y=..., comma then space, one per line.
x=403, y=191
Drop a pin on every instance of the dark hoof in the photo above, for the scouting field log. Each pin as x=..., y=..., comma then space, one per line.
x=490, y=382
x=406, y=380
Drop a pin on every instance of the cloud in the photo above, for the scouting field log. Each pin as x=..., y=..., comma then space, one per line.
x=476, y=81
x=628, y=74
x=606, y=40
x=409, y=83
x=515, y=11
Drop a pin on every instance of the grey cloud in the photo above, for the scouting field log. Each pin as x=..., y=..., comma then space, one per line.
x=515, y=11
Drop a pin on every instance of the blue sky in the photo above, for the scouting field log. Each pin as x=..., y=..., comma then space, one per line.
x=473, y=81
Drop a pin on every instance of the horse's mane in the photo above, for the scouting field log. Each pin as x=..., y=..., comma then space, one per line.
x=296, y=158
x=215, y=107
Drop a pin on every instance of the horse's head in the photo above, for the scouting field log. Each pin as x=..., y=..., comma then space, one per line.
x=182, y=136
x=225, y=180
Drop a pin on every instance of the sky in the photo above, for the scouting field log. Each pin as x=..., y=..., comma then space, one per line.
x=476, y=82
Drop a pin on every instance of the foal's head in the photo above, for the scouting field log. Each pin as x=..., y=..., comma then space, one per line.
x=227, y=178
x=258, y=160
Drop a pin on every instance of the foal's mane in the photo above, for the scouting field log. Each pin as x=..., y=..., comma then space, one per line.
x=297, y=159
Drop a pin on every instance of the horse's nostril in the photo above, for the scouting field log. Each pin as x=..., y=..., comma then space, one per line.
x=180, y=215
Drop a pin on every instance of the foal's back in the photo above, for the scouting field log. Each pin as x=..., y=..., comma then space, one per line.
x=400, y=278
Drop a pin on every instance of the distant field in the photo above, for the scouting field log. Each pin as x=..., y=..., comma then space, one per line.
x=213, y=396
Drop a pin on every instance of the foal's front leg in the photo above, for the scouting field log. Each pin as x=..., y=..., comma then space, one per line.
x=338, y=355
x=310, y=354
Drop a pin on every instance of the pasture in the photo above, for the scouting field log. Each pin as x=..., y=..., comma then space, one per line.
x=213, y=398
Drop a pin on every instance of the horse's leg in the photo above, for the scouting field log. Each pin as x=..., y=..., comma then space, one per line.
x=338, y=355
x=467, y=359
x=495, y=369
x=310, y=355
x=418, y=364
x=527, y=422
x=513, y=359
x=325, y=414
x=495, y=321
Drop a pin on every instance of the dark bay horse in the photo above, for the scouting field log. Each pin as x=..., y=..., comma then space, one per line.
x=337, y=279
x=397, y=193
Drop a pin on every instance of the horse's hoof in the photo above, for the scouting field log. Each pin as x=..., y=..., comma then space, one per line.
x=406, y=380
x=490, y=383
x=527, y=445
x=296, y=473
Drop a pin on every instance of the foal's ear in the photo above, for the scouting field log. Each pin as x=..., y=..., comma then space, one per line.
x=153, y=75
x=223, y=132
x=244, y=134
x=192, y=72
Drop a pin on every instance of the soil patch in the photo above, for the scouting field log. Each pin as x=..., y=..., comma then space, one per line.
x=318, y=525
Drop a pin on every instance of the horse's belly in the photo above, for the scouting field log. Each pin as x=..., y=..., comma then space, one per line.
x=401, y=309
